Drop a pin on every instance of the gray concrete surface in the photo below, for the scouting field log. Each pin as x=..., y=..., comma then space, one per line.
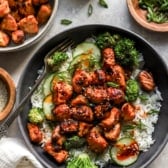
x=76, y=10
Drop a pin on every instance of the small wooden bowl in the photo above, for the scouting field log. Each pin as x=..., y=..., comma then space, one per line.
x=11, y=90
x=140, y=16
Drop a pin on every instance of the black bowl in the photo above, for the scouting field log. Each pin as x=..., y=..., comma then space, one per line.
x=153, y=62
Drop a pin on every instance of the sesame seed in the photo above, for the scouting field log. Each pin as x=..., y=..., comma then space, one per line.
x=3, y=95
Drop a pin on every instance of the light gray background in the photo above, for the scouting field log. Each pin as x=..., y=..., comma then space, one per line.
x=76, y=10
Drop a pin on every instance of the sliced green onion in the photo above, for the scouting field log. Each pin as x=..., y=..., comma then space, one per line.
x=90, y=10
x=112, y=84
x=153, y=111
x=103, y=3
x=143, y=97
x=66, y=21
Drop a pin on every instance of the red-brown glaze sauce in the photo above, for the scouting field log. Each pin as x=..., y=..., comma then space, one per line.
x=126, y=151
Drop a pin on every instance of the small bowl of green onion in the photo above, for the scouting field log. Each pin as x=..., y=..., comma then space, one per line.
x=150, y=14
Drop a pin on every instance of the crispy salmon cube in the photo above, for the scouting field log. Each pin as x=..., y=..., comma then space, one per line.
x=96, y=141
x=4, y=8
x=44, y=13
x=29, y=24
x=9, y=23
x=35, y=133
x=4, y=39
x=18, y=36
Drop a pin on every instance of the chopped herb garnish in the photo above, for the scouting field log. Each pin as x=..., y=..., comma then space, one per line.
x=143, y=97
x=57, y=58
x=128, y=127
x=112, y=84
x=66, y=21
x=103, y=3
x=157, y=10
x=90, y=10
x=138, y=125
x=107, y=40
x=153, y=111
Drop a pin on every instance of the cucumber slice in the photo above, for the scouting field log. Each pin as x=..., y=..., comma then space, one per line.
x=61, y=76
x=48, y=107
x=125, y=151
x=87, y=48
x=85, y=62
x=47, y=85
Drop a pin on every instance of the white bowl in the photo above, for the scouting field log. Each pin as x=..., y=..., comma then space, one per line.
x=30, y=40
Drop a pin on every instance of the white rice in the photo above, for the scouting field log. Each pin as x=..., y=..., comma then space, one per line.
x=37, y=97
x=143, y=137
x=47, y=133
x=148, y=121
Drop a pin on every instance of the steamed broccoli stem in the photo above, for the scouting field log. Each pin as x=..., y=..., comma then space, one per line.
x=74, y=142
x=126, y=53
x=81, y=161
x=57, y=58
x=132, y=90
x=36, y=115
x=107, y=40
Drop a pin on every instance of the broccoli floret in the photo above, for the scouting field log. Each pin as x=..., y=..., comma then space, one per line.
x=107, y=40
x=74, y=142
x=57, y=58
x=126, y=53
x=36, y=115
x=81, y=161
x=132, y=90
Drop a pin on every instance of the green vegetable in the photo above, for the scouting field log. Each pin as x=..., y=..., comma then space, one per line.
x=47, y=84
x=124, y=48
x=132, y=90
x=56, y=59
x=143, y=97
x=128, y=127
x=48, y=106
x=63, y=76
x=106, y=40
x=126, y=53
x=87, y=48
x=36, y=115
x=112, y=84
x=125, y=152
x=74, y=142
x=103, y=3
x=66, y=21
x=157, y=10
x=90, y=10
x=85, y=62
x=85, y=56
x=140, y=126
x=136, y=125
x=81, y=161
x=153, y=111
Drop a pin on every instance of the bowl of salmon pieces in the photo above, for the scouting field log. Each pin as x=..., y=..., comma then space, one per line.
x=102, y=104
x=24, y=22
